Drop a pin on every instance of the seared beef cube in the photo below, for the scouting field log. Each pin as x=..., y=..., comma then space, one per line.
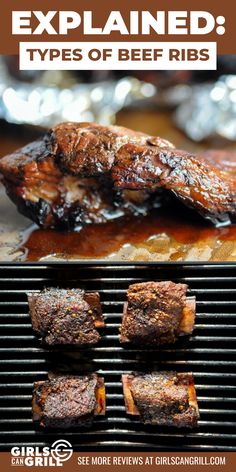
x=62, y=316
x=162, y=398
x=157, y=313
x=68, y=401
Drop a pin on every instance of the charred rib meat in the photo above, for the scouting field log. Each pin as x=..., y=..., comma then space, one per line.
x=62, y=316
x=157, y=313
x=89, y=149
x=68, y=401
x=198, y=184
x=51, y=198
x=162, y=398
x=81, y=173
x=225, y=161
x=51, y=194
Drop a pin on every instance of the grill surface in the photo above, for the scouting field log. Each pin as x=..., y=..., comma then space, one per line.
x=210, y=353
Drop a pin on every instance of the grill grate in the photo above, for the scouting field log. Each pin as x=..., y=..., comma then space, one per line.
x=210, y=353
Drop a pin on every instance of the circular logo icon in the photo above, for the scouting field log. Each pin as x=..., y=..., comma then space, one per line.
x=61, y=450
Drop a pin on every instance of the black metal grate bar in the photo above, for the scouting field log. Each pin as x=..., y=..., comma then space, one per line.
x=210, y=353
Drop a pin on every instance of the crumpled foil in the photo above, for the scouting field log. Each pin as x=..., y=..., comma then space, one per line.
x=202, y=111
x=209, y=110
x=45, y=105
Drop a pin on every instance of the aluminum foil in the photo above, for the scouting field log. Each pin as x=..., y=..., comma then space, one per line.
x=209, y=111
x=202, y=111
x=45, y=105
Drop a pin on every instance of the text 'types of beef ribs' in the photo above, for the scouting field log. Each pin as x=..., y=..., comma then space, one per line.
x=68, y=401
x=157, y=313
x=162, y=398
x=63, y=316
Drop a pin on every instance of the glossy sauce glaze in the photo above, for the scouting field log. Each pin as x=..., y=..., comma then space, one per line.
x=161, y=235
